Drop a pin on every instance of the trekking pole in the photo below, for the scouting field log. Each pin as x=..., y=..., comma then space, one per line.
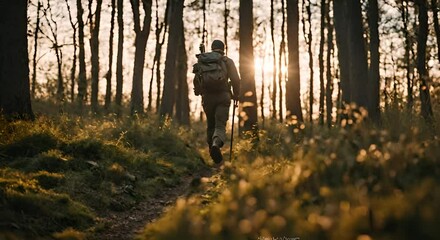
x=232, y=130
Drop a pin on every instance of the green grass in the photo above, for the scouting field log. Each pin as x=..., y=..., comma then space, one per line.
x=356, y=182
x=58, y=174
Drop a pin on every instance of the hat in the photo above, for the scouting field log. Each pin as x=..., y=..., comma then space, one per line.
x=217, y=45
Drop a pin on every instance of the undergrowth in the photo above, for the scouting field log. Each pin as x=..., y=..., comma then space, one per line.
x=59, y=174
x=359, y=181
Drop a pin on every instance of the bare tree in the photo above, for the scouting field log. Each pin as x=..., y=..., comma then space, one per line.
x=274, y=74
x=293, y=99
x=374, y=76
x=15, y=97
x=358, y=64
x=168, y=96
x=82, y=78
x=57, y=47
x=321, y=64
x=422, y=37
x=307, y=16
x=182, y=103
x=75, y=49
x=34, y=59
x=94, y=49
x=137, y=93
x=408, y=51
x=341, y=26
x=108, y=76
x=435, y=7
x=248, y=99
x=281, y=57
x=225, y=29
x=329, y=77
x=156, y=70
x=119, y=69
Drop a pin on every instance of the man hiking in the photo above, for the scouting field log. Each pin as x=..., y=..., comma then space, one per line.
x=213, y=69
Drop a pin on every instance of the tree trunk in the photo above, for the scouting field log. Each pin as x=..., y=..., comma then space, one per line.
x=329, y=77
x=422, y=37
x=15, y=96
x=358, y=57
x=225, y=29
x=108, y=76
x=274, y=74
x=308, y=39
x=434, y=7
x=248, y=113
x=321, y=65
x=82, y=78
x=75, y=47
x=341, y=30
x=169, y=88
x=407, y=56
x=137, y=92
x=280, y=62
x=293, y=97
x=159, y=56
x=182, y=103
x=119, y=70
x=374, y=81
x=160, y=40
x=94, y=49
x=34, y=59
x=262, y=91
x=53, y=27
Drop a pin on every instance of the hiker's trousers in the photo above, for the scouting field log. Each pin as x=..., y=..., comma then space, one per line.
x=216, y=108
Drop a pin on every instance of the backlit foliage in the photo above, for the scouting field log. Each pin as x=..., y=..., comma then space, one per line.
x=351, y=182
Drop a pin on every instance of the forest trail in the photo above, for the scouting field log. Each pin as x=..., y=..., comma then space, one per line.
x=127, y=224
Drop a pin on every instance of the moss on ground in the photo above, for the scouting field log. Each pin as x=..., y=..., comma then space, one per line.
x=58, y=174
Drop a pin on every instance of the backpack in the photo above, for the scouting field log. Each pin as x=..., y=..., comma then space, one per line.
x=211, y=68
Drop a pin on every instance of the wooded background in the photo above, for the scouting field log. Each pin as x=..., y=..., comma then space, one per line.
x=303, y=59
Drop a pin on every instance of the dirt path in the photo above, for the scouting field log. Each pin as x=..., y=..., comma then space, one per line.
x=125, y=225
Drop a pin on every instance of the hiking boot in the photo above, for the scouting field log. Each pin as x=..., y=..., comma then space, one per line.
x=215, y=152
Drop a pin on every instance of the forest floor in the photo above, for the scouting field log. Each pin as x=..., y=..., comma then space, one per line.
x=127, y=224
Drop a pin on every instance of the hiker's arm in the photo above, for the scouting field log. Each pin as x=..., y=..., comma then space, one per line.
x=234, y=77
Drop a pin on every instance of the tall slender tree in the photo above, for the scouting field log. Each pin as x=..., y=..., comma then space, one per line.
x=75, y=50
x=142, y=33
x=274, y=59
x=161, y=29
x=329, y=76
x=119, y=69
x=358, y=55
x=34, y=59
x=341, y=31
x=308, y=37
x=57, y=47
x=281, y=57
x=225, y=28
x=374, y=76
x=108, y=76
x=15, y=97
x=248, y=99
x=182, y=103
x=407, y=56
x=94, y=49
x=435, y=7
x=168, y=96
x=422, y=37
x=293, y=97
x=82, y=77
x=321, y=64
